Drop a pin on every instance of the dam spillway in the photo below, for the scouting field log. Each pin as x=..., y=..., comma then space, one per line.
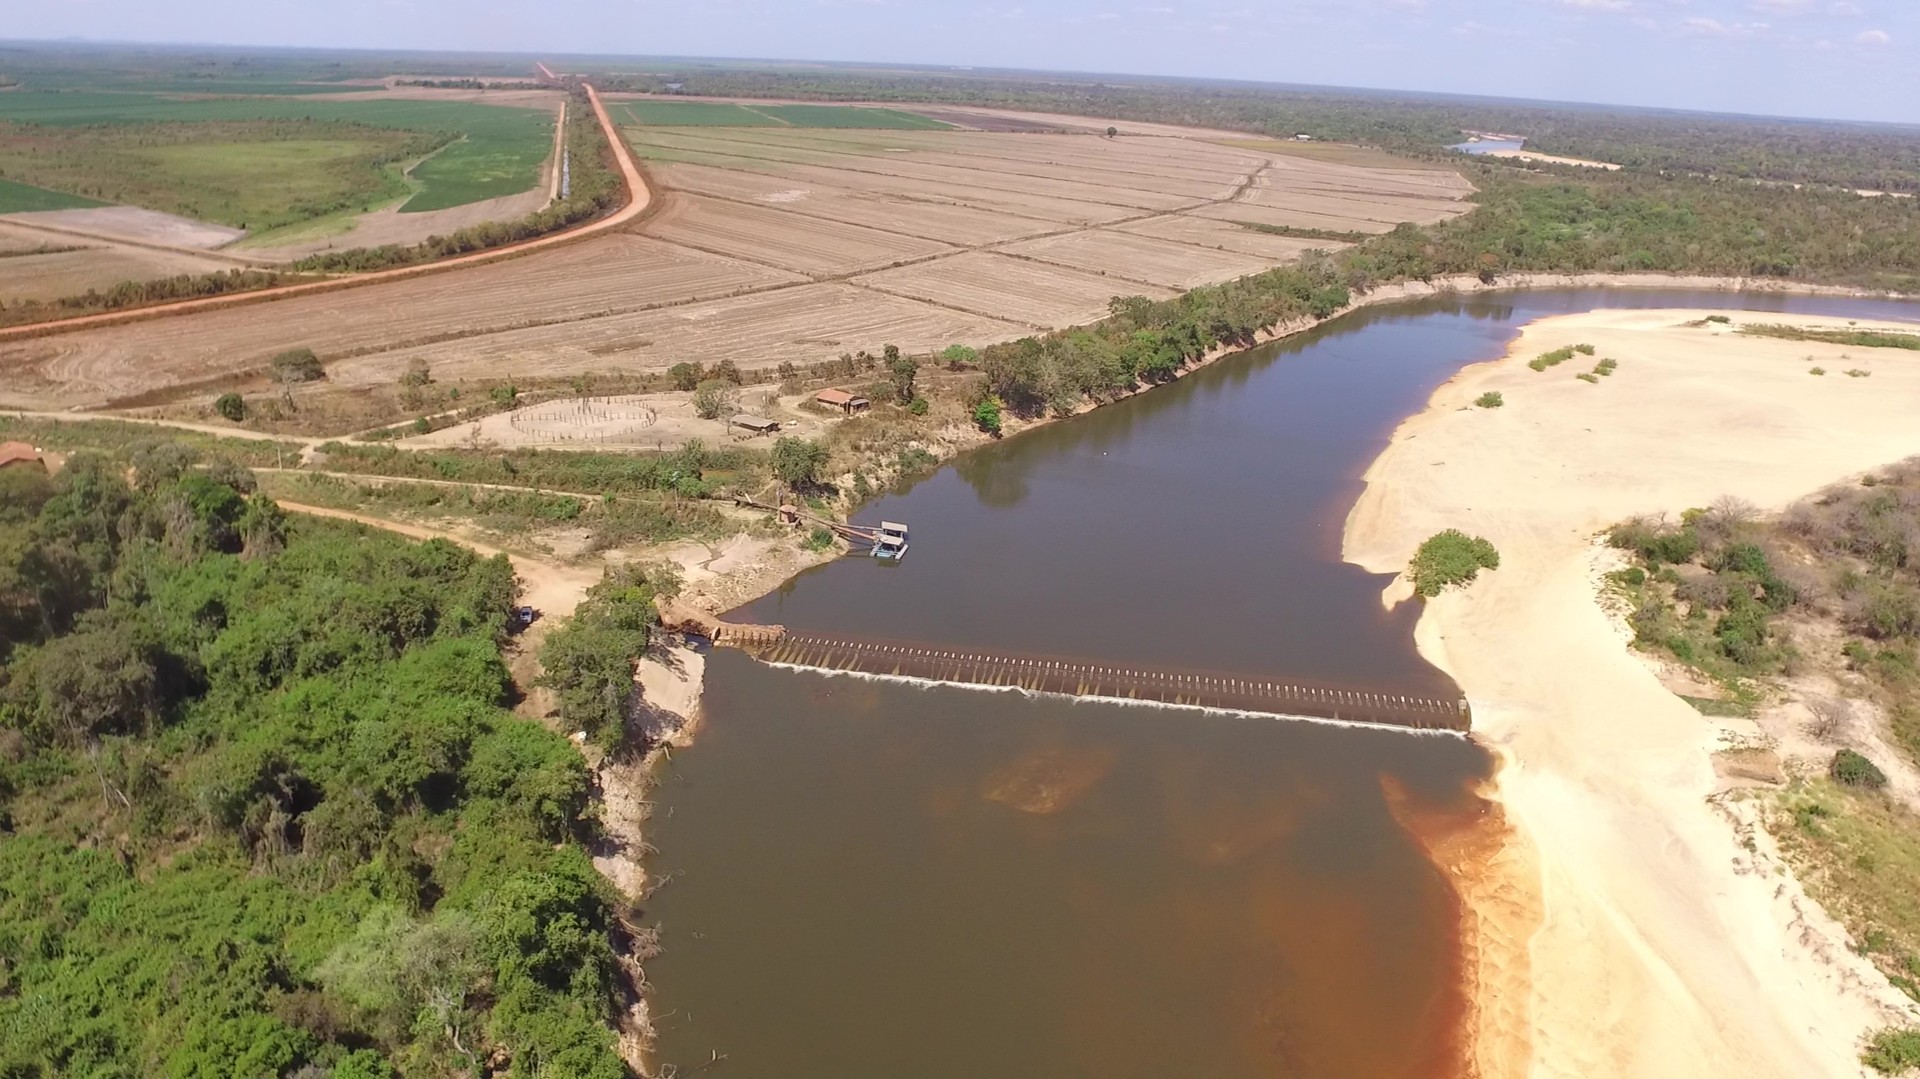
x=1082, y=678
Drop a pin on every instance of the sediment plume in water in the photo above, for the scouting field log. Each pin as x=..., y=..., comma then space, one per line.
x=1494, y=878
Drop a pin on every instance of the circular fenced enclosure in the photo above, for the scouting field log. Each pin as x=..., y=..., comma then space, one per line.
x=583, y=419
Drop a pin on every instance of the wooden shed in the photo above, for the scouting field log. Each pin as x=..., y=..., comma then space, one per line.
x=842, y=400
x=759, y=425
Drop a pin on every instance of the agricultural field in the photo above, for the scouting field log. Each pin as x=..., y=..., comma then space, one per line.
x=16, y=198
x=785, y=244
x=669, y=113
x=262, y=162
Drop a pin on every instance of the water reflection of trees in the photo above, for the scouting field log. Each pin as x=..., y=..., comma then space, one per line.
x=999, y=475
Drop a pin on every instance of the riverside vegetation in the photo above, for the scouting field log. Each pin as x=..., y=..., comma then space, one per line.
x=1830, y=589
x=265, y=809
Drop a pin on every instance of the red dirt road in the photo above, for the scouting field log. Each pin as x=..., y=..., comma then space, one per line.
x=638, y=198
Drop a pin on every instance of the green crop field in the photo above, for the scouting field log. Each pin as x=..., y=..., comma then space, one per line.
x=722, y=114
x=17, y=198
x=499, y=151
x=850, y=116
x=694, y=114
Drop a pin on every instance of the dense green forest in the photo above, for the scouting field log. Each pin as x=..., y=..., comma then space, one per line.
x=263, y=809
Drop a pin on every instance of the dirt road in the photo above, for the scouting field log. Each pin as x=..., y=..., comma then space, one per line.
x=552, y=590
x=638, y=198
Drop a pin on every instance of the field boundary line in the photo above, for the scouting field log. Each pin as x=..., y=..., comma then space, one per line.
x=638, y=199
x=1008, y=319
x=215, y=254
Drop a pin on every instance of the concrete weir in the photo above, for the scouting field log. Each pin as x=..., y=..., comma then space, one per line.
x=1076, y=678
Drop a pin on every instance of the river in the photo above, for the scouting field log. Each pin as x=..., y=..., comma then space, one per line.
x=869, y=878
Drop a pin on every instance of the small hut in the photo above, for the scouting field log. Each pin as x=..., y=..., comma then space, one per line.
x=21, y=455
x=758, y=425
x=842, y=400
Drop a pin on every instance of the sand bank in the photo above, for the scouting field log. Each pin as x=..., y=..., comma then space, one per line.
x=1661, y=947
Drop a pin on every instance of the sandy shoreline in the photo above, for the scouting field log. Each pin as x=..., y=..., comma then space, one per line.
x=1660, y=946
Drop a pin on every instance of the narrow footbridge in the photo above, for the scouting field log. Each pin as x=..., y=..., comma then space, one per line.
x=1077, y=678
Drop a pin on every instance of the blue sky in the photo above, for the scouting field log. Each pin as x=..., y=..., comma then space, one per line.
x=1854, y=59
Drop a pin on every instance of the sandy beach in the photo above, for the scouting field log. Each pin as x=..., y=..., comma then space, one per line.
x=1659, y=945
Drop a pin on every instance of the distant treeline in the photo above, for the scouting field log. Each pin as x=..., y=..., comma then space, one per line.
x=468, y=84
x=595, y=188
x=1526, y=222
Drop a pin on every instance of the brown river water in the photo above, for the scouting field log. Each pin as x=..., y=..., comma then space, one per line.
x=871, y=878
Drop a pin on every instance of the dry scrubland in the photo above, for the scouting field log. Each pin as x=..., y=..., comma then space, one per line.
x=782, y=244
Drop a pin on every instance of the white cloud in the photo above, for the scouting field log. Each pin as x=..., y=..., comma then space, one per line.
x=1598, y=5
x=1875, y=37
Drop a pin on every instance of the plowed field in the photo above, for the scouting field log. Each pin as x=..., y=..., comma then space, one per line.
x=783, y=243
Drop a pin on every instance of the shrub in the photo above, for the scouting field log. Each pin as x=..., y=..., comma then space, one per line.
x=1551, y=359
x=1721, y=319
x=986, y=416
x=818, y=540
x=1490, y=399
x=418, y=374
x=727, y=371
x=1855, y=372
x=1449, y=558
x=297, y=365
x=1605, y=367
x=1816, y=370
x=685, y=376
x=1586, y=376
x=232, y=406
x=918, y=406
x=1855, y=770
x=1584, y=350
x=1893, y=1051
x=958, y=357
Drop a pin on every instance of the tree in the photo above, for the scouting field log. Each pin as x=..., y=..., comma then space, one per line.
x=728, y=371
x=902, y=370
x=713, y=399
x=685, y=376
x=297, y=365
x=797, y=462
x=91, y=683
x=231, y=406
x=1113, y=132
x=418, y=374
x=958, y=356
x=986, y=416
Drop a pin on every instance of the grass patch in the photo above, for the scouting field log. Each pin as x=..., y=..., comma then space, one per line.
x=1605, y=367
x=19, y=198
x=506, y=162
x=122, y=440
x=1450, y=558
x=1858, y=853
x=1589, y=377
x=1490, y=399
x=1709, y=706
x=1854, y=338
x=1816, y=370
